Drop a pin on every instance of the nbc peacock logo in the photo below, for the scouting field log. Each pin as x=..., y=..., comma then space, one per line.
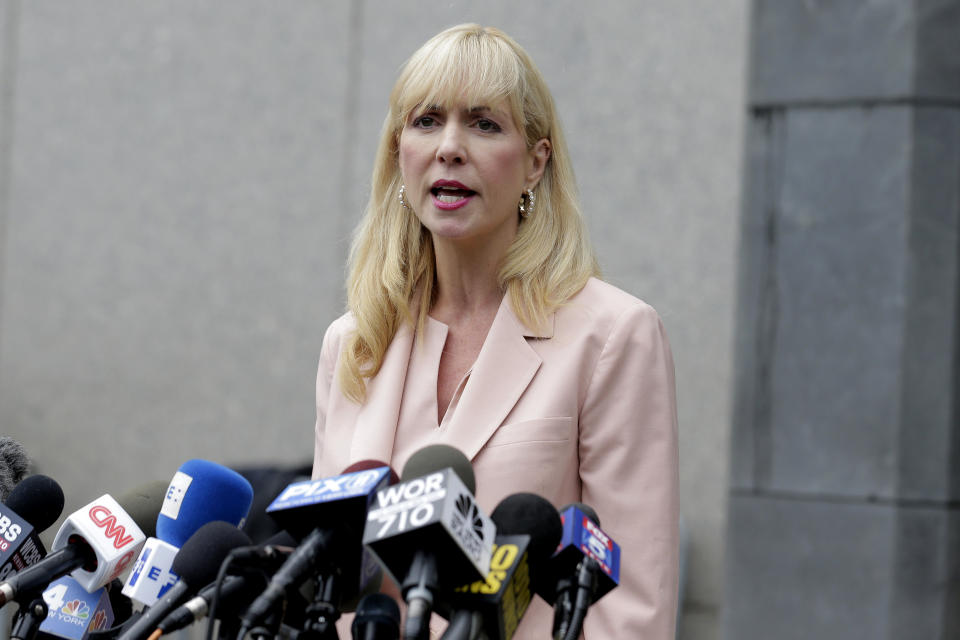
x=468, y=510
x=99, y=620
x=76, y=609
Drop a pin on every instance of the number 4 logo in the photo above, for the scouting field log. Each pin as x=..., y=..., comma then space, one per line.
x=54, y=596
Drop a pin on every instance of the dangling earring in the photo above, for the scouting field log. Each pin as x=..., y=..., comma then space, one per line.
x=402, y=195
x=526, y=203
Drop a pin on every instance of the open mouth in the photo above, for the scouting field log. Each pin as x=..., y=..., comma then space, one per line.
x=449, y=195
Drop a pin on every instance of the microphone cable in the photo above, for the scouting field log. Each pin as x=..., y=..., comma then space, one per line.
x=268, y=553
x=215, y=600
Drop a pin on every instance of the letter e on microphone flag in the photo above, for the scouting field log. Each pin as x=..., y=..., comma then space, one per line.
x=175, y=493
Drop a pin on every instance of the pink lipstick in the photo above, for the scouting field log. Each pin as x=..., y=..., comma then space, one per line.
x=450, y=194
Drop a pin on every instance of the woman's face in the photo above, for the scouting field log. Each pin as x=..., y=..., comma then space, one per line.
x=465, y=169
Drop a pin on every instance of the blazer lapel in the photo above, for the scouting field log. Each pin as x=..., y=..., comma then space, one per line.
x=504, y=368
x=376, y=423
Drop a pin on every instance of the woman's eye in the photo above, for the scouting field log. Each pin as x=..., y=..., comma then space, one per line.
x=487, y=125
x=425, y=122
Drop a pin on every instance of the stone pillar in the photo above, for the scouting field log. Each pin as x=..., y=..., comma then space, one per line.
x=845, y=472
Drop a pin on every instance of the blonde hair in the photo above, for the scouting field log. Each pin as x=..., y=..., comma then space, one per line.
x=391, y=266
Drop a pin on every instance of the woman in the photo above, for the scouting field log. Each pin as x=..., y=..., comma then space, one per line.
x=476, y=320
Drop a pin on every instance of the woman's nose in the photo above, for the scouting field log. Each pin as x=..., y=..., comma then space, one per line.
x=451, y=148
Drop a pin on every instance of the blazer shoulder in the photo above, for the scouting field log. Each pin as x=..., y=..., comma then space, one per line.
x=604, y=304
x=340, y=328
x=334, y=339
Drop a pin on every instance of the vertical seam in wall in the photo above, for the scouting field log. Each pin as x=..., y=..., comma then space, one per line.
x=8, y=77
x=951, y=617
x=951, y=622
x=954, y=484
x=346, y=216
x=768, y=312
x=909, y=340
x=900, y=564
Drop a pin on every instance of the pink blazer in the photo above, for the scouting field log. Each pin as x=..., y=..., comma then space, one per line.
x=584, y=411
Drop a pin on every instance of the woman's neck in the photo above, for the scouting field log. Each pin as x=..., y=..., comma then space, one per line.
x=467, y=285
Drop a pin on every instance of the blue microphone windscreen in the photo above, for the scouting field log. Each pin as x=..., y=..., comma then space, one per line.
x=200, y=492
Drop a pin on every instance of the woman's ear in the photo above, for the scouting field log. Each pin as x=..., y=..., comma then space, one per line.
x=539, y=155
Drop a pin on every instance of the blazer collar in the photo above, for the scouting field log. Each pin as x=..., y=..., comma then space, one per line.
x=376, y=423
x=501, y=373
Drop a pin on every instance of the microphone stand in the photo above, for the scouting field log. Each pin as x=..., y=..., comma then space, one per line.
x=29, y=619
x=576, y=610
x=268, y=629
x=322, y=614
x=464, y=625
x=563, y=608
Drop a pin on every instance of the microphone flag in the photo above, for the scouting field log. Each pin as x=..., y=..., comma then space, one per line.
x=20, y=546
x=441, y=515
x=582, y=538
x=74, y=613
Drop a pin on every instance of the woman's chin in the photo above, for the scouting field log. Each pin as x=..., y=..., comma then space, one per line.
x=450, y=229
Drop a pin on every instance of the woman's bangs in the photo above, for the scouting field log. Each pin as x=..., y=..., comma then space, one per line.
x=477, y=70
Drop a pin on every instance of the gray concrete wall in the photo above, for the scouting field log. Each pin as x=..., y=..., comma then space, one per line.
x=178, y=182
x=844, y=475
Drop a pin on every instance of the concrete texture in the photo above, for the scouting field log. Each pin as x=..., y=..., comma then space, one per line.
x=929, y=411
x=183, y=180
x=836, y=569
x=849, y=50
x=165, y=175
x=841, y=260
x=845, y=460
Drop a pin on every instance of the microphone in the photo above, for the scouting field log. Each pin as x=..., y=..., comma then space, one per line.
x=533, y=515
x=197, y=563
x=341, y=503
x=31, y=507
x=123, y=614
x=77, y=614
x=233, y=590
x=200, y=492
x=95, y=545
x=528, y=531
x=143, y=504
x=73, y=612
x=121, y=605
x=428, y=531
x=14, y=464
x=378, y=618
x=587, y=566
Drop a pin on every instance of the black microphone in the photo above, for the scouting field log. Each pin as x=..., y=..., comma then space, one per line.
x=32, y=506
x=197, y=563
x=333, y=547
x=428, y=532
x=528, y=531
x=14, y=464
x=586, y=566
x=378, y=618
x=533, y=515
x=120, y=604
x=235, y=590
